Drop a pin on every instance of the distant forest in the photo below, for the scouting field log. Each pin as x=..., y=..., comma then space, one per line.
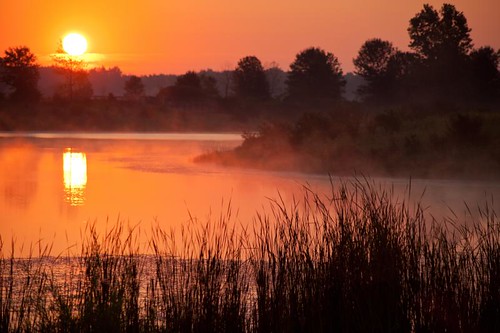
x=111, y=81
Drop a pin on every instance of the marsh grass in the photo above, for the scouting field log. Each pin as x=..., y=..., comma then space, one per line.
x=357, y=260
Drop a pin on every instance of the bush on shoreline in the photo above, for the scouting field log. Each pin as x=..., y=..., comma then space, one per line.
x=354, y=260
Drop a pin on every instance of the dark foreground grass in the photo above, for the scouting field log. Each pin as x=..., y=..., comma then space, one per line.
x=358, y=261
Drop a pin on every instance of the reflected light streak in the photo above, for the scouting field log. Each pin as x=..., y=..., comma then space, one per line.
x=75, y=177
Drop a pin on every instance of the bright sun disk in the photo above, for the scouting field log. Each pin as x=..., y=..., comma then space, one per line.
x=74, y=44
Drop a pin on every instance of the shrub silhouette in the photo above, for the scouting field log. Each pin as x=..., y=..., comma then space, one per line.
x=465, y=129
x=388, y=121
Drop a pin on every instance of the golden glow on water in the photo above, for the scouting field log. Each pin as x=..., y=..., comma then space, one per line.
x=75, y=177
x=50, y=194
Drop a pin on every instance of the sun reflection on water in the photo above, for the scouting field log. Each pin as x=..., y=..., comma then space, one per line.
x=75, y=177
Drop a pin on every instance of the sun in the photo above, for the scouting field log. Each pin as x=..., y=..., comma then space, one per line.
x=74, y=44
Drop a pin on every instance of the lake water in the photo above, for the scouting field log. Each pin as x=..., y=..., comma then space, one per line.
x=52, y=185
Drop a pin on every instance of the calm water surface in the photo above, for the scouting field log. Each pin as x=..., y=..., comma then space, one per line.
x=52, y=185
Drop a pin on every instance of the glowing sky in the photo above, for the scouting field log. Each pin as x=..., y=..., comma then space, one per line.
x=173, y=36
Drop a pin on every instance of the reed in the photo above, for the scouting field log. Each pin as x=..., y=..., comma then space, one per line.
x=355, y=260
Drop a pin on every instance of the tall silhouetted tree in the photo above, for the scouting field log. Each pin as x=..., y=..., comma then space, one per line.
x=402, y=72
x=376, y=64
x=485, y=75
x=77, y=85
x=315, y=75
x=19, y=71
x=436, y=34
x=442, y=40
x=134, y=88
x=250, y=79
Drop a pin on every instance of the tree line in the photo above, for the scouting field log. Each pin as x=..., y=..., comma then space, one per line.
x=443, y=65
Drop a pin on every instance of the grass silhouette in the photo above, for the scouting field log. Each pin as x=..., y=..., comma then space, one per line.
x=357, y=260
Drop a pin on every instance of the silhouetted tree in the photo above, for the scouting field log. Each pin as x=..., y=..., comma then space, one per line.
x=190, y=79
x=276, y=78
x=373, y=58
x=77, y=85
x=485, y=75
x=19, y=71
x=190, y=89
x=250, y=79
x=442, y=40
x=435, y=35
x=134, y=88
x=402, y=71
x=315, y=75
x=375, y=64
x=209, y=86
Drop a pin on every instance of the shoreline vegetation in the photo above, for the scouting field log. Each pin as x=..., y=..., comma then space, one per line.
x=397, y=143
x=419, y=141
x=354, y=260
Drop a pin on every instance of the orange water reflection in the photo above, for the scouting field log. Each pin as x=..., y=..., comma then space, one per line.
x=50, y=194
x=75, y=177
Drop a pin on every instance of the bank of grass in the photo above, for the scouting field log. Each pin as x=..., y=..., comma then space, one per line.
x=400, y=142
x=356, y=260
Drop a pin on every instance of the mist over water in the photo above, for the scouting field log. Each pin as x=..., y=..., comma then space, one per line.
x=52, y=186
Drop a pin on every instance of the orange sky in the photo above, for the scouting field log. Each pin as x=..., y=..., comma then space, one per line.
x=173, y=36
